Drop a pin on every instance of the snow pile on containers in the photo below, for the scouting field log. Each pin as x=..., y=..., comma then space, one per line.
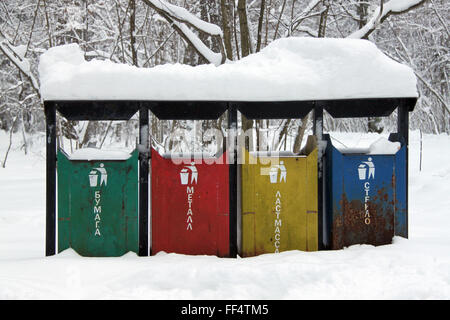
x=289, y=69
x=92, y=154
x=380, y=146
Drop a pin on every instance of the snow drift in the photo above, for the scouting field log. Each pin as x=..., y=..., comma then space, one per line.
x=418, y=268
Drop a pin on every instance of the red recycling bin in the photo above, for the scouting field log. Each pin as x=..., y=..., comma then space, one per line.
x=190, y=205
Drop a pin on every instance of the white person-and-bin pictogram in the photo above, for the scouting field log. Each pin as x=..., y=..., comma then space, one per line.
x=184, y=174
x=94, y=174
x=273, y=174
x=365, y=174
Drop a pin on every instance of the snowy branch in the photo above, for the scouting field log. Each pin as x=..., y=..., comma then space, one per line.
x=419, y=76
x=16, y=56
x=303, y=15
x=382, y=13
x=181, y=20
x=433, y=91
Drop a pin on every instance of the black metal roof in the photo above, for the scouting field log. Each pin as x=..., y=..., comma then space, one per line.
x=203, y=110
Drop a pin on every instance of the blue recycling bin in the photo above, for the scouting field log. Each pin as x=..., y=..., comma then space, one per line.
x=365, y=196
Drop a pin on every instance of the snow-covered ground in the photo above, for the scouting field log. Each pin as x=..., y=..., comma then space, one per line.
x=418, y=268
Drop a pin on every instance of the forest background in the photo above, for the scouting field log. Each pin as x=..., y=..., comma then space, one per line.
x=146, y=33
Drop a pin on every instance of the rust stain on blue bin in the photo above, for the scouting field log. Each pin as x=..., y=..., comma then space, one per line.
x=365, y=197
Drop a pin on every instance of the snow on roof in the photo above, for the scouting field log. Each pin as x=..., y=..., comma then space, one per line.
x=289, y=69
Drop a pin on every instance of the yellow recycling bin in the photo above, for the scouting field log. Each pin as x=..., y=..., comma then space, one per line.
x=279, y=202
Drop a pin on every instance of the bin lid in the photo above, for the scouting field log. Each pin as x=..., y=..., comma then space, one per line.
x=190, y=155
x=260, y=154
x=380, y=146
x=93, y=154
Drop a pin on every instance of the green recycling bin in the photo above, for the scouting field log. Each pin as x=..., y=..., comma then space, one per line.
x=98, y=206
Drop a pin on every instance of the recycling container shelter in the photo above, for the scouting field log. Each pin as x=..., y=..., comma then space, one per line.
x=98, y=206
x=365, y=196
x=190, y=205
x=279, y=202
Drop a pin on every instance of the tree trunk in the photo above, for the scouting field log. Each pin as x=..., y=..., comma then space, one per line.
x=227, y=9
x=362, y=12
x=323, y=20
x=374, y=124
x=283, y=133
x=89, y=135
x=10, y=142
x=279, y=20
x=133, y=32
x=260, y=25
x=247, y=127
x=300, y=134
x=243, y=23
x=236, y=42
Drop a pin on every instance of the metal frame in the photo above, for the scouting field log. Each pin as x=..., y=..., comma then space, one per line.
x=202, y=110
x=403, y=137
x=94, y=110
x=50, y=225
x=318, y=132
x=208, y=110
x=144, y=159
x=233, y=173
x=364, y=108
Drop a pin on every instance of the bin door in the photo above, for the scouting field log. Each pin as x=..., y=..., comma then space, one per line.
x=98, y=206
x=365, y=214
x=190, y=206
x=279, y=204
